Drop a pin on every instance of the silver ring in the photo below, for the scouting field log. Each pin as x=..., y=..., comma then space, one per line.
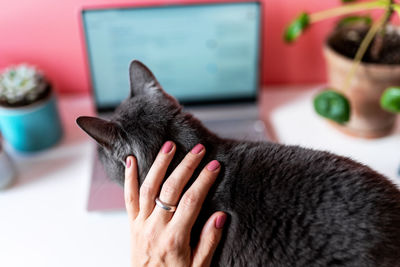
x=165, y=206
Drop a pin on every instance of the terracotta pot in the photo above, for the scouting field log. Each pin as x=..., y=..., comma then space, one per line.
x=367, y=118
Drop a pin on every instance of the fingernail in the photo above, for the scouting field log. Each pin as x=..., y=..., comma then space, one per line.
x=197, y=149
x=128, y=162
x=213, y=165
x=220, y=221
x=167, y=147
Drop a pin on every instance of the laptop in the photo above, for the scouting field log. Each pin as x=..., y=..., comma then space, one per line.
x=205, y=54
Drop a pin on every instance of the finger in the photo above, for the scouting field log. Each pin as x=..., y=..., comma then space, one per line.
x=191, y=202
x=151, y=185
x=131, y=188
x=173, y=186
x=209, y=239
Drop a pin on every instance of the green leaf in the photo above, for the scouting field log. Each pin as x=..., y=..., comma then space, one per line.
x=332, y=105
x=390, y=99
x=296, y=28
x=348, y=1
x=352, y=20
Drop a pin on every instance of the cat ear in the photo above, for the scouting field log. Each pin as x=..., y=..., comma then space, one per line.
x=142, y=79
x=104, y=132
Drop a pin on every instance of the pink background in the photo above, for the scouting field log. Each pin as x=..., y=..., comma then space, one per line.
x=46, y=33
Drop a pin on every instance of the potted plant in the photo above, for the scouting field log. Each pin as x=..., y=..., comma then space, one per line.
x=363, y=60
x=29, y=119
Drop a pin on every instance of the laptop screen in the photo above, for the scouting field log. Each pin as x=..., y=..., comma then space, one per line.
x=199, y=53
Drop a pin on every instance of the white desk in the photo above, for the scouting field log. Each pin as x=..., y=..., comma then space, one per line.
x=43, y=221
x=294, y=122
x=43, y=218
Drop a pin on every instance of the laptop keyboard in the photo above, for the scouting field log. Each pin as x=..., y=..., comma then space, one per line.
x=240, y=129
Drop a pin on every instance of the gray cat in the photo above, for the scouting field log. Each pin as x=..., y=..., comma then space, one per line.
x=287, y=206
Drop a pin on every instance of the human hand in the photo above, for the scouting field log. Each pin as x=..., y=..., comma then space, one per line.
x=160, y=237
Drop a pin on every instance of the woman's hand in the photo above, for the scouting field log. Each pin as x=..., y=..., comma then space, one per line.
x=160, y=237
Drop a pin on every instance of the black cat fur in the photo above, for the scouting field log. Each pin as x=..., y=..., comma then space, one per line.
x=287, y=206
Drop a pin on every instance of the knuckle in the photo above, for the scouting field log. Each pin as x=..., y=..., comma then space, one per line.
x=149, y=236
x=173, y=242
x=191, y=161
x=146, y=190
x=169, y=188
x=189, y=166
x=206, y=178
x=212, y=241
x=129, y=200
x=161, y=162
x=190, y=199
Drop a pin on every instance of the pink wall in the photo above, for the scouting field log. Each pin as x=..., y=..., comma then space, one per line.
x=46, y=33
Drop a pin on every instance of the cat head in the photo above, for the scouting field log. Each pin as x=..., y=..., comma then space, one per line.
x=141, y=124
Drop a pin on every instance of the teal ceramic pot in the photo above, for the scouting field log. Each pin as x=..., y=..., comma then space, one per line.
x=32, y=128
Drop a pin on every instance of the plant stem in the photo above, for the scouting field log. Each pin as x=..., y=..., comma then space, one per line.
x=377, y=44
x=349, y=8
x=364, y=46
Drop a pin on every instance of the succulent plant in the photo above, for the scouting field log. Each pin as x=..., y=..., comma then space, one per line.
x=22, y=85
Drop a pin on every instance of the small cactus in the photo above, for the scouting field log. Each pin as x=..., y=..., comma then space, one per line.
x=22, y=85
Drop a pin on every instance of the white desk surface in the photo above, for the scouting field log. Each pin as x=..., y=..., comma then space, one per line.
x=293, y=121
x=43, y=217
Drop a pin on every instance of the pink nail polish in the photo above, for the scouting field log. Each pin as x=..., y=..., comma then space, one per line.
x=213, y=165
x=128, y=162
x=197, y=149
x=220, y=221
x=167, y=147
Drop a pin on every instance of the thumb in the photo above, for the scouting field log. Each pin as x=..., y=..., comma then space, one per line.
x=209, y=240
